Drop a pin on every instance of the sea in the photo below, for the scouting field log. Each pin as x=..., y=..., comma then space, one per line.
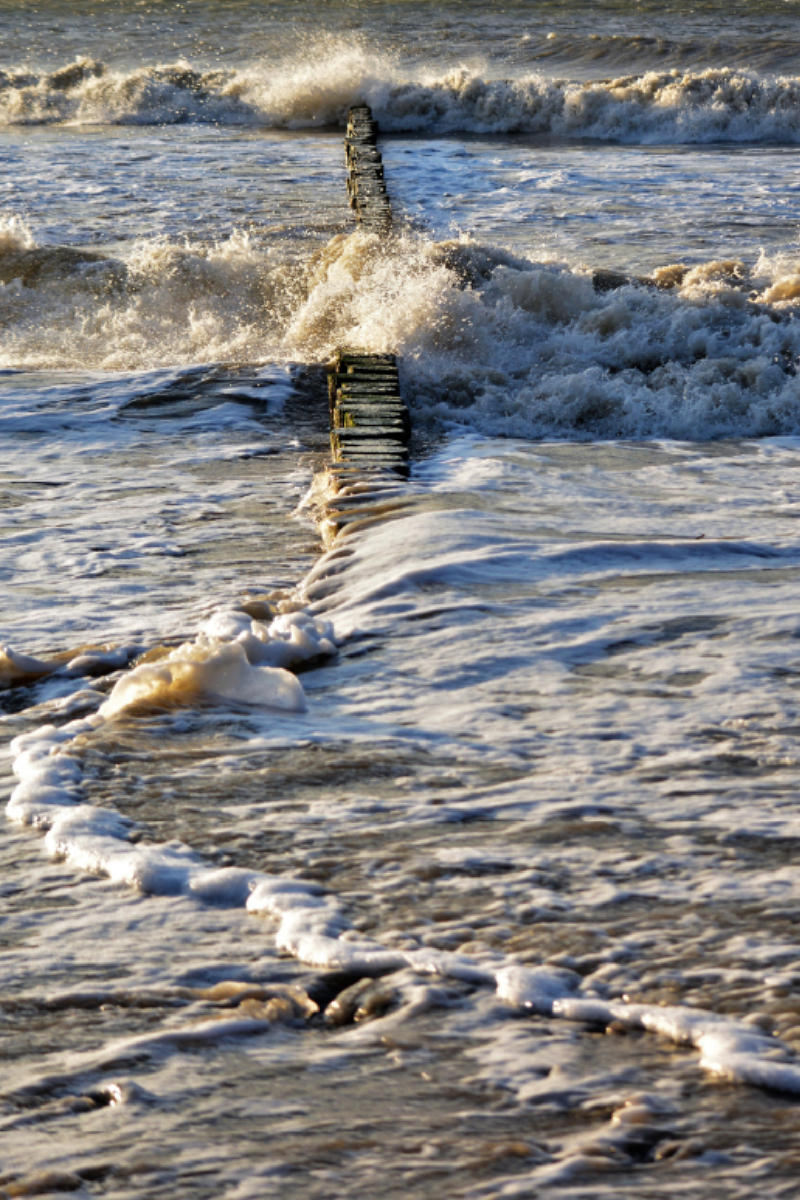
x=448, y=849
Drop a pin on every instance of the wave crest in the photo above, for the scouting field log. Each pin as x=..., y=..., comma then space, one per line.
x=489, y=340
x=163, y=303
x=295, y=95
x=672, y=106
x=720, y=104
x=505, y=346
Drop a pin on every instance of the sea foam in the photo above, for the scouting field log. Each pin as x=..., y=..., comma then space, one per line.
x=672, y=106
x=313, y=927
x=158, y=303
x=510, y=346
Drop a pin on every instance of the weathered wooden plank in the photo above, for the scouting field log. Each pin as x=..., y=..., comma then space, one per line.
x=370, y=425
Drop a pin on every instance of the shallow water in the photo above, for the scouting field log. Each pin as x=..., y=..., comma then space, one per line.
x=498, y=896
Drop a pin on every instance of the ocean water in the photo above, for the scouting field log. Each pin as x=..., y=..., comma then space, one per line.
x=453, y=855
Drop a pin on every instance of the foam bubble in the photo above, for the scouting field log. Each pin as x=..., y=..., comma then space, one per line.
x=732, y=1050
x=16, y=668
x=290, y=639
x=535, y=988
x=20, y=670
x=199, y=671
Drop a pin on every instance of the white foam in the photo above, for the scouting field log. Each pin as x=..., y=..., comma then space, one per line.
x=530, y=349
x=290, y=639
x=729, y=1049
x=535, y=988
x=711, y=105
x=15, y=234
x=199, y=671
x=163, y=302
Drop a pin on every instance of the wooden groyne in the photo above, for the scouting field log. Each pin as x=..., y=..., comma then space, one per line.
x=365, y=182
x=370, y=424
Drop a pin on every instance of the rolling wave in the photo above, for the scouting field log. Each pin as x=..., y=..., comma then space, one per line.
x=722, y=104
x=490, y=341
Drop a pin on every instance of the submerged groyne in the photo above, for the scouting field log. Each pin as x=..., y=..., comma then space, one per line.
x=366, y=185
x=370, y=424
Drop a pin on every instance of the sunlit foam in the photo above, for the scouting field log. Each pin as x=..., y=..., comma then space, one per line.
x=162, y=303
x=196, y=672
x=715, y=104
x=503, y=345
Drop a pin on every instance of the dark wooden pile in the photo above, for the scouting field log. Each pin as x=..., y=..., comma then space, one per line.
x=365, y=182
x=370, y=425
x=369, y=421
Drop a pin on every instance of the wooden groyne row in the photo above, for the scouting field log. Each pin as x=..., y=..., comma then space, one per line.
x=370, y=424
x=365, y=183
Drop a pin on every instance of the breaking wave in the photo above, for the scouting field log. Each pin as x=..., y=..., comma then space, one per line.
x=496, y=343
x=161, y=303
x=87, y=92
x=659, y=106
x=489, y=340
